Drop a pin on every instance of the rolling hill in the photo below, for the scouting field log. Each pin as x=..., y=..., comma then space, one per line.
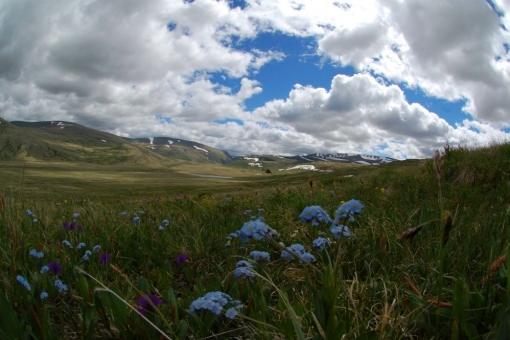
x=64, y=141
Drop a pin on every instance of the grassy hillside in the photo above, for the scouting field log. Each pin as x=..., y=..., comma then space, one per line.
x=68, y=142
x=426, y=257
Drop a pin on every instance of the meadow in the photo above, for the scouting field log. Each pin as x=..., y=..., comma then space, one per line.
x=406, y=250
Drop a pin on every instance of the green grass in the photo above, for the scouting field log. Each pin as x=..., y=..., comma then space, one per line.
x=370, y=286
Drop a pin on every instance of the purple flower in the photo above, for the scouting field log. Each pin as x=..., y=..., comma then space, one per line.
x=55, y=268
x=105, y=258
x=147, y=302
x=181, y=259
x=68, y=226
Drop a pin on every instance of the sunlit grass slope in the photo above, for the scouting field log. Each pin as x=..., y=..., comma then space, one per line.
x=426, y=256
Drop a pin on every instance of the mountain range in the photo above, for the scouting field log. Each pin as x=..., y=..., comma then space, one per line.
x=67, y=141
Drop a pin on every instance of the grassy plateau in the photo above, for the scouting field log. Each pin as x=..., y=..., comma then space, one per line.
x=406, y=250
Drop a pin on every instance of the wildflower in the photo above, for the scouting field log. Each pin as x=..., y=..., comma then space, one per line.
x=307, y=257
x=213, y=301
x=246, y=212
x=66, y=243
x=320, y=243
x=260, y=255
x=296, y=248
x=314, y=214
x=34, y=220
x=233, y=235
x=228, y=245
x=76, y=215
x=105, y=258
x=261, y=210
x=24, y=282
x=348, y=209
x=147, y=302
x=34, y=253
x=86, y=255
x=166, y=223
x=340, y=231
x=43, y=295
x=96, y=248
x=60, y=286
x=55, y=268
x=255, y=229
x=123, y=214
x=182, y=259
x=231, y=313
x=136, y=219
x=161, y=228
x=82, y=244
x=29, y=213
x=44, y=269
x=244, y=268
x=68, y=226
x=141, y=212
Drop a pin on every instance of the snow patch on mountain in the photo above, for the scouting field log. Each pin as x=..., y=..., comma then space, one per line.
x=204, y=150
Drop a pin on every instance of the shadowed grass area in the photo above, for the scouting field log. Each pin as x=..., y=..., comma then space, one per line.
x=426, y=257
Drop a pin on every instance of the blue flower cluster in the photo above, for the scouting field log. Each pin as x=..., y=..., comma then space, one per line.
x=244, y=268
x=43, y=295
x=76, y=215
x=254, y=230
x=66, y=243
x=24, y=282
x=136, y=219
x=314, y=214
x=299, y=250
x=86, y=255
x=215, y=301
x=80, y=245
x=96, y=248
x=348, y=210
x=123, y=214
x=260, y=255
x=320, y=243
x=161, y=228
x=34, y=253
x=340, y=231
x=44, y=269
x=32, y=215
x=166, y=223
x=60, y=286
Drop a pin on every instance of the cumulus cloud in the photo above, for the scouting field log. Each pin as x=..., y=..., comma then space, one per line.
x=145, y=69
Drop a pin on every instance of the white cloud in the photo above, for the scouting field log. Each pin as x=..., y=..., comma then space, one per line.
x=118, y=65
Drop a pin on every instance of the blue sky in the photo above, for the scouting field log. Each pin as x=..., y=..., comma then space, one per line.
x=265, y=77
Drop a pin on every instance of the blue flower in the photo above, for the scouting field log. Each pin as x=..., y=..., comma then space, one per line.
x=246, y=212
x=307, y=257
x=136, y=219
x=43, y=295
x=123, y=214
x=296, y=248
x=44, y=269
x=66, y=243
x=244, y=268
x=260, y=255
x=320, y=243
x=86, y=255
x=256, y=230
x=29, y=213
x=348, y=209
x=82, y=244
x=34, y=253
x=340, y=231
x=213, y=301
x=76, y=215
x=60, y=286
x=96, y=248
x=34, y=220
x=231, y=313
x=314, y=214
x=24, y=282
x=166, y=223
x=261, y=210
x=161, y=228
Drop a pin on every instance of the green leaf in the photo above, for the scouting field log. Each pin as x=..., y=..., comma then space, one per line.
x=10, y=327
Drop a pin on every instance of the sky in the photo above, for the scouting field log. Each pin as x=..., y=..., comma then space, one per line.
x=383, y=77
